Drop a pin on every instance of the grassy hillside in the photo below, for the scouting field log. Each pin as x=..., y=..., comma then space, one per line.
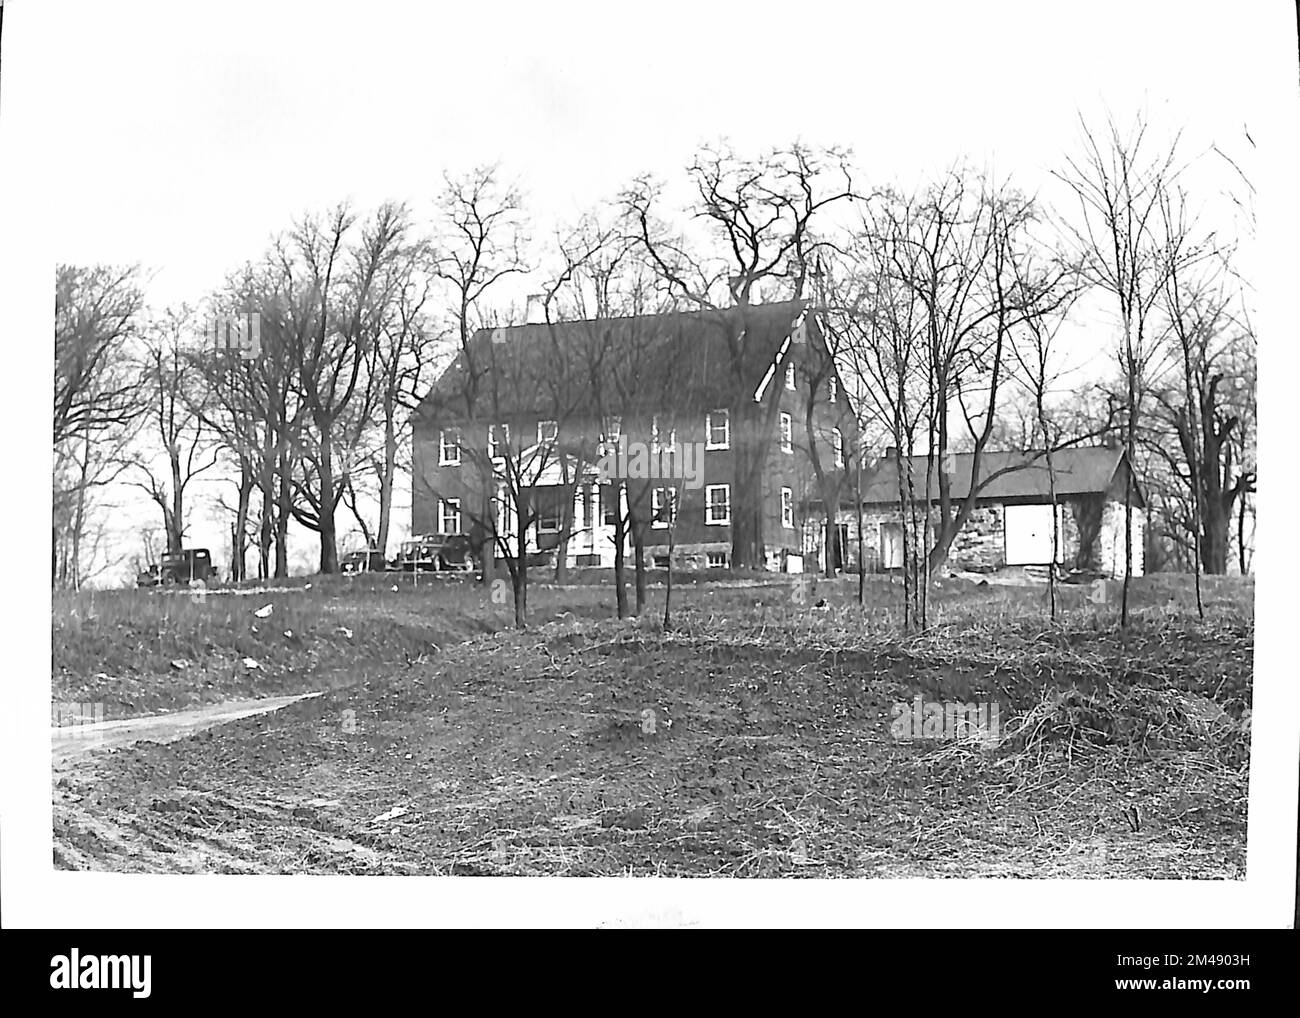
x=771, y=752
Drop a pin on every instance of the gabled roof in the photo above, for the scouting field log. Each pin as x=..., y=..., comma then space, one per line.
x=1011, y=476
x=681, y=358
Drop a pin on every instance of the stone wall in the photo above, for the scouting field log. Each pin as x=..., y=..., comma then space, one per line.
x=979, y=546
x=1111, y=540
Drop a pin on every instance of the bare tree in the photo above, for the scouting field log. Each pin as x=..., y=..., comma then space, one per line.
x=252, y=404
x=876, y=325
x=398, y=371
x=85, y=468
x=964, y=250
x=830, y=427
x=333, y=275
x=621, y=347
x=95, y=317
x=173, y=421
x=761, y=216
x=1118, y=182
x=503, y=480
x=1033, y=351
x=480, y=237
x=1215, y=352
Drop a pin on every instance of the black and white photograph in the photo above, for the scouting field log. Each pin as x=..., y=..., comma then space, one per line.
x=795, y=465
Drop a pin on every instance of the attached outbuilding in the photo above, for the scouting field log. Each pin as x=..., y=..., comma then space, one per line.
x=1017, y=498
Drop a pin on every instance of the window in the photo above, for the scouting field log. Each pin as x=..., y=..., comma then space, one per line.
x=837, y=447
x=716, y=559
x=550, y=515
x=787, y=433
x=789, y=376
x=717, y=505
x=449, y=516
x=498, y=440
x=787, y=508
x=663, y=507
x=547, y=432
x=449, y=447
x=506, y=516
x=717, y=429
x=656, y=436
x=832, y=389
x=611, y=429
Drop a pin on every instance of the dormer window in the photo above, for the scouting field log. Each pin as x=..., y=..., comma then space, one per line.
x=547, y=432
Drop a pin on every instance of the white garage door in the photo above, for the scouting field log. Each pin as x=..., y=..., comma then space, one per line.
x=1028, y=534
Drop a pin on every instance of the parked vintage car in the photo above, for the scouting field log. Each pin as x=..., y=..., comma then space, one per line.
x=456, y=553
x=437, y=553
x=369, y=561
x=181, y=567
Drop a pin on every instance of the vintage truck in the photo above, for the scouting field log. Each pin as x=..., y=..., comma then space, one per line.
x=179, y=567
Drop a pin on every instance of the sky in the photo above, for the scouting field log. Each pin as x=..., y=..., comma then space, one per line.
x=187, y=133
x=181, y=135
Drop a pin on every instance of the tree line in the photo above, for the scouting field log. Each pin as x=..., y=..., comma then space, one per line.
x=946, y=308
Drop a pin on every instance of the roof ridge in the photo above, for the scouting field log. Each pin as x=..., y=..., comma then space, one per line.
x=795, y=302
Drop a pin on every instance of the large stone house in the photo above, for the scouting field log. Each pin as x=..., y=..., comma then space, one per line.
x=1010, y=525
x=648, y=416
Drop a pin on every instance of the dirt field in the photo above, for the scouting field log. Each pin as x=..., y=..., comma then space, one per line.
x=445, y=743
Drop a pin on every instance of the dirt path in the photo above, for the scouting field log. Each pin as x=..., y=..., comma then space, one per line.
x=72, y=741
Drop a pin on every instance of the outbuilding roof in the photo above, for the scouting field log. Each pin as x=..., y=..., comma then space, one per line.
x=1011, y=476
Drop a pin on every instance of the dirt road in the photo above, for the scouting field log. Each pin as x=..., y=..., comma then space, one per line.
x=72, y=741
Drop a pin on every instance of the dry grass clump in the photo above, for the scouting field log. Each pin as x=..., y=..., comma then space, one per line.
x=1146, y=722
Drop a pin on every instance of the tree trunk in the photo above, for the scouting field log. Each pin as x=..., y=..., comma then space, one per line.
x=638, y=565
x=1130, y=449
x=668, y=586
x=857, y=508
x=488, y=556
x=749, y=437
x=1242, y=561
x=239, y=539
x=568, y=493
x=282, y=513
x=1214, y=543
x=520, y=574
x=386, y=477
x=620, y=554
x=176, y=523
